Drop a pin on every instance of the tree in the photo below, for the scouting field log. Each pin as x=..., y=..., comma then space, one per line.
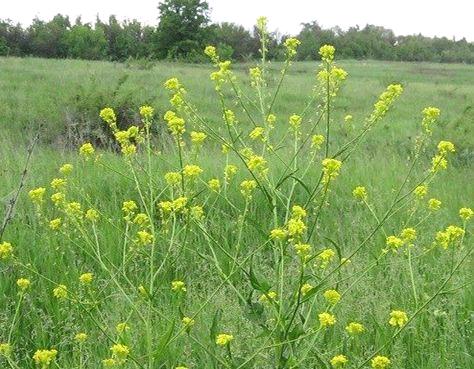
x=84, y=42
x=48, y=38
x=237, y=37
x=183, y=27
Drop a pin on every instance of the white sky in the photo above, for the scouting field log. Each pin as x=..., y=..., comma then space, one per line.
x=450, y=18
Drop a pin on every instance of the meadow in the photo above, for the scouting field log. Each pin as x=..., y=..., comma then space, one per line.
x=214, y=258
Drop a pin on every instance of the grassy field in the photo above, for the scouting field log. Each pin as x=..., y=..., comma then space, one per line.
x=216, y=256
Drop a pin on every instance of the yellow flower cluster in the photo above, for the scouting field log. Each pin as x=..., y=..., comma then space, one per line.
x=326, y=319
x=87, y=150
x=384, y=103
x=247, y=187
x=331, y=169
x=398, y=318
x=146, y=112
x=37, y=195
x=434, y=204
x=23, y=284
x=60, y=292
x=267, y=297
x=5, y=349
x=449, y=236
x=192, y=171
x=81, y=337
x=291, y=45
x=223, y=339
x=354, y=328
x=380, y=362
x=332, y=296
x=6, y=250
x=109, y=117
x=178, y=286
x=339, y=361
x=466, y=213
x=44, y=358
x=176, y=125
x=430, y=115
x=360, y=193
x=317, y=141
x=327, y=53
x=439, y=161
x=86, y=278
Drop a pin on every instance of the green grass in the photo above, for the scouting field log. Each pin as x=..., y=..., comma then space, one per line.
x=62, y=100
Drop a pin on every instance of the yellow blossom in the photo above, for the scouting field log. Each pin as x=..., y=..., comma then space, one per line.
x=192, y=171
x=44, y=358
x=303, y=249
x=60, y=292
x=58, y=198
x=326, y=319
x=6, y=250
x=198, y=137
x=380, y=362
x=360, y=193
x=394, y=242
x=211, y=52
x=331, y=169
x=297, y=212
x=188, y=322
x=23, y=284
x=178, y=286
x=108, y=116
x=466, y=213
x=278, y=234
x=122, y=328
x=55, y=224
x=66, y=169
x=338, y=361
x=332, y=296
x=58, y=183
x=327, y=53
x=120, y=352
x=214, y=184
x=445, y=147
x=247, y=187
x=146, y=112
x=87, y=150
x=172, y=84
x=317, y=141
x=86, y=278
x=398, y=318
x=5, y=349
x=81, y=337
x=296, y=227
x=92, y=215
x=434, y=204
x=224, y=339
x=408, y=234
x=269, y=296
x=73, y=209
x=144, y=238
x=129, y=207
x=37, y=195
x=109, y=363
x=430, y=115
x=295, y=121
x=305, y=288
x=354, y=328
x=257, y=132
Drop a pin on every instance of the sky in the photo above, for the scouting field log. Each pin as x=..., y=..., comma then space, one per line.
x=450, y=18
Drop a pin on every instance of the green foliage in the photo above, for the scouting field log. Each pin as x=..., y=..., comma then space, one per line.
x=182, y=29
x=85, y=42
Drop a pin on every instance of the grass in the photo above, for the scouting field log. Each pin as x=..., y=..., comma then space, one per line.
x=62, y=99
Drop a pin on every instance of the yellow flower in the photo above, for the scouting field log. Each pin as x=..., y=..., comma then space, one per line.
x=66, y=169
x=58, y=183
x=109, y=363
x=55, y=224
x=211, y=52
x=247, y=187
x=305, y=288
x=122, y=328
x=303, y=249
x=44, y=357
x=325, y=257
x=73, y=209
x=229, y=171
x=296, y=227
x=37, y=195
x=421, y=191
x=178, y=286
x=445, y=147
x=257, y=163
x=291, y=44
x=188, y=322
x=120, y=352
x=430, y=115
x=5, y=349
x=60, y=292
x=354, y=328
x=360, y=193
x=408, y=234
x=176, y=125
x=86, y=150
x=214, y=184
x=295, y=121
x=434, y=204
x=348, y=118
x=192, y=171
x=269, y=296
x=332, y=296
x=398, y=318
x=198, y=137
x=197, y=212
x=229, y=116
x=172, y=84
x=257, y=132
x=450, y=235
x=317, y=141
x=129, y=207
x=146, y=112
x=297, y=212
x=181, y=367
x=92, y=215
x=394, y=242
x=438, y=163
x=466, y=213
x=141, y=219
x=86, y=278
x=380, y=362
x=23, y=284
x=384, y=103
x=224, y=339
x=278, y=234
x=81, y=337
x=338, y=361
x=6, y=250
x=108, y=116
x=326, y=319
x=327, y=53
x=173, y=178
x=331, y=169
x=58, y=198
x=144, y=238
x=271, y=119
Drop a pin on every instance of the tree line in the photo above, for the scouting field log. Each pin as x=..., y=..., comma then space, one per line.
x=184, y=28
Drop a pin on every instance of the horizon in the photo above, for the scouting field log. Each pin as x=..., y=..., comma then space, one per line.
x=282, y=19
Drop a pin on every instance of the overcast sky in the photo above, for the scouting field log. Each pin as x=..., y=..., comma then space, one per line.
x=450, y=18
